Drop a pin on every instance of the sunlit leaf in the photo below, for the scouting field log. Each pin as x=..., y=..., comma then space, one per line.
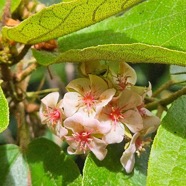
x=64, y=18
x=110, y=171
x=153, y=22
x=167, y=159
x=49, y=166
x=135, y=53
x=4, y=110
x=13, y=168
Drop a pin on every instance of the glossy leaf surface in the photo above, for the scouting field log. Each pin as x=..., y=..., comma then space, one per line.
x=167, y=159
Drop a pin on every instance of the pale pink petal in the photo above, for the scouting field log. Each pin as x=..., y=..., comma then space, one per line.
x=116, y=134
x=80, y=85
x=133, y=120
x=129, y=99
x=129, y=72
x=41, y=113
x=151, y=124
x=60, y=131
x=143, y=91
x=51, y=99
x=105, y=98
x=71, y=102
x=98, y=147
x=98, y=85
x=74, y=123
x=128, y=158
x=72, y=150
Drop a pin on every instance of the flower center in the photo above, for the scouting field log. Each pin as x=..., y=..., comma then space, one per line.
x=88, y=100
x=122, y=82
x=83, y=139
x=115, y=114
x=53, y=115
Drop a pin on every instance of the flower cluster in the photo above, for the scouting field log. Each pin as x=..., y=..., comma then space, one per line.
x=101, y=109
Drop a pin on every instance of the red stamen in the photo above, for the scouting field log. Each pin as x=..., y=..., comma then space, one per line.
x=115, y=114
x=88, y=99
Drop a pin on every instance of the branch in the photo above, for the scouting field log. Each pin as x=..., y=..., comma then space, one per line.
x=21, y=76
x=166, y=101
x=21, y=55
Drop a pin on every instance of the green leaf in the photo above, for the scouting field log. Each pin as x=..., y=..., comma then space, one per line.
x=167, y=159
x=153, y=22
x=110, y=171
x=14, y=5
x=135, y=53
x=49, y=166
x=64, y=18
x=4, y=110
x=13, y=168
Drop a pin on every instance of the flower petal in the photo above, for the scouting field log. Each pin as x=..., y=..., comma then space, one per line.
x=129, y=99
x=106, y=97
x=80, y=85
x=133, y=120
x=129, y=72
x=71, y=102
x=51, y=99
x=115, y=135
x=98, y=85
x=128, y=157
x=98, y=147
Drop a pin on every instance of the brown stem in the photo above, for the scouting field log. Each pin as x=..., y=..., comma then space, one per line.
x=166, y=101
x=22, y=75
x=163, y=87
x=21, y=55
x=23, y=131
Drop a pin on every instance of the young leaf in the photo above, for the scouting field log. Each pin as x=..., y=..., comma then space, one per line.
x=167, y=159
x=64, y=18
x=49, y=166
x=135, y=53
x=154, y=22
x=13, y=168
x=4, y=110
x=110, y=171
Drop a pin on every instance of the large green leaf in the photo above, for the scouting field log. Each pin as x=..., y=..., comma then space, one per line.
x=135, y=53
x=4, y=110
x=109, y=172
x=13, y=168
x=168, y=155
x=153, y=22
x=64, y=18
x=49, y=166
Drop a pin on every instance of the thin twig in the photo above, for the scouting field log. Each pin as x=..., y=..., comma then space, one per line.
x=21, y=76
x=163, y=87
x=40, y=92
x=166, y=101
x=21, y=55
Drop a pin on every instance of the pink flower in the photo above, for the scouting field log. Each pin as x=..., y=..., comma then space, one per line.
x=139, y=140
x=87, y=96
x=121, y=110
x=85, y=135
x=124, y=77
x=51, y=113
x=150, y=121
x=128, y=157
